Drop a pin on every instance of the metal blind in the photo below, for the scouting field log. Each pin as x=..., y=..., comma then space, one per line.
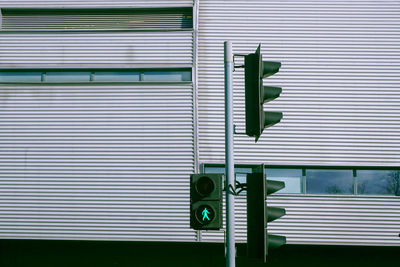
x=96, y=162
x=94, y=3
x=96, y=19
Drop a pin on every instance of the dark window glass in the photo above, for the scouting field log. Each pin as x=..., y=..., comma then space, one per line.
x=329, y=181
x=97, y=19
x=378, y=182
x=291, y=177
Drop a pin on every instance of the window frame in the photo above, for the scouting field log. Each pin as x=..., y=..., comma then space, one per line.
x=92, y=76
x=303, y=178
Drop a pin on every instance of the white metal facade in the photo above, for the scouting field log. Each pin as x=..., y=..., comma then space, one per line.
x=340, y=78
x=96, y=161
x=112, y=162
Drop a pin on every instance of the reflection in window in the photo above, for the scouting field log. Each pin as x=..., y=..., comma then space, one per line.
x=378, y=182
x=329, y=181
x=341, y=181
x=291, y=177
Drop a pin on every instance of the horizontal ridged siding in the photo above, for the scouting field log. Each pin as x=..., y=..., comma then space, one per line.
x=94, y=3
x=340, y=78
x=96, y=162
x=328, y=220
x=108, y=49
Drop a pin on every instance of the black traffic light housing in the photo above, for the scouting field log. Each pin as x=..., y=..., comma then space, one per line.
x=258, y=214
x=206, y=201
x=256, y=94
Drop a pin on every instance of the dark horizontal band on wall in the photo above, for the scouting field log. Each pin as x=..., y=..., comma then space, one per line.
x=324, y=180
x=41, y=76
x=97, y=19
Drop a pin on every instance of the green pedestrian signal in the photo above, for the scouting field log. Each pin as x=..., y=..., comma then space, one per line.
x=206, y=201
x=205, y=213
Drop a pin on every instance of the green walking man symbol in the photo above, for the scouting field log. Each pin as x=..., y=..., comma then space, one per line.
x=205, y=213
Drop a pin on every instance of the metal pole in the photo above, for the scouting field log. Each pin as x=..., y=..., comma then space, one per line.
x=229, y=157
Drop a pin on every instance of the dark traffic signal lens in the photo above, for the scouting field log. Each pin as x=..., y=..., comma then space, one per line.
x=205, y=186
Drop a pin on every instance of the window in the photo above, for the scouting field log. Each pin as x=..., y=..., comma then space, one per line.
x=93, y=76
x=378, y=182
x=292, y=178
x=18, y=19
x=327, y=181
x=21, y=77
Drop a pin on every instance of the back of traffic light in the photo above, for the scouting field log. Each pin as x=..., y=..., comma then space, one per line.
x=259, y=214
x=256, y=94
x=206, y=201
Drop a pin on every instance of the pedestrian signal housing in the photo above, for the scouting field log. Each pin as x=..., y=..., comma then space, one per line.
x=259, y=242
x=256, y=94
x=206, y=201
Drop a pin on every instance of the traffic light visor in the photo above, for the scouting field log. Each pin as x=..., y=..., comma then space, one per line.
x=269, y=68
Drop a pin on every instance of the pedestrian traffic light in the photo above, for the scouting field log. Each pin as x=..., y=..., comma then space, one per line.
x=258, y=214
x=256, y=94
x=206, y=201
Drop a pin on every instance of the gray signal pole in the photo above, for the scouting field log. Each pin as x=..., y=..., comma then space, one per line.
x=229, y=157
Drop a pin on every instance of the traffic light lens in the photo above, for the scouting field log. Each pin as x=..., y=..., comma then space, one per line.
x=205, y=186
x=205, y=214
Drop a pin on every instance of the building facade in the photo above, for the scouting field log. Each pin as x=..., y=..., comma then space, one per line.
x=108, y=107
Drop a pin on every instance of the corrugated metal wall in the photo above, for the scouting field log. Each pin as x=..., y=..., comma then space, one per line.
x=325, y=220
x=96, y=161
x=107, y=49
x=341, y=93
x=340, y=76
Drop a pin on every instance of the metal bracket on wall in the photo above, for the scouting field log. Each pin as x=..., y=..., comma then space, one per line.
x=237, y=66
x=237, y=133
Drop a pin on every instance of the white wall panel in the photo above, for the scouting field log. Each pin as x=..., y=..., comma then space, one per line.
x=327, y=220
x=91, y=49
x=340, y=78
x=96, y=162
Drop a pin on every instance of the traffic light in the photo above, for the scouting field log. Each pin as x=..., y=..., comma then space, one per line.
x=258, y=214
x=206, y=201
x=256, y=94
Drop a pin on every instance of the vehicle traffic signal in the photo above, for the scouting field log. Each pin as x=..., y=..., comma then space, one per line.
x=258, y=214
x=206, y=201
x=256, y=94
